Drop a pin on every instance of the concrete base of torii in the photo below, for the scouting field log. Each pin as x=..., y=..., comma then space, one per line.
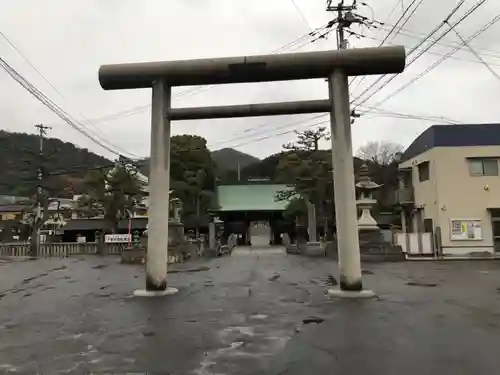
x=362, y=294
x=155, y=293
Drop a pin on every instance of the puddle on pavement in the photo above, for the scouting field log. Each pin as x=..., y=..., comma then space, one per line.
x=330, y=280
x=242, y=342
x=313, y=319
x=259, y=316
x=421, y=283
x=8, y=368
x=99, y=266
x=248, y=331
x=274, y=277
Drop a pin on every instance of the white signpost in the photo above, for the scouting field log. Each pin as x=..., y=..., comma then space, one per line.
x=117, y=238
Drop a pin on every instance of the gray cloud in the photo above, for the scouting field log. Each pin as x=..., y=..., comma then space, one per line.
x=68, y=41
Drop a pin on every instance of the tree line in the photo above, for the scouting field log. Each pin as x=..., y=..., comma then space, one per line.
x=302, y=165
x=114, y=192
x=308, y=170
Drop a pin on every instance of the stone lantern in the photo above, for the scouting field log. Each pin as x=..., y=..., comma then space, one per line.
x=176, y=206
x=365, y=202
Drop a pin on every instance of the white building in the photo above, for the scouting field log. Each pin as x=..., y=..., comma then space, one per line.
x=450, y=190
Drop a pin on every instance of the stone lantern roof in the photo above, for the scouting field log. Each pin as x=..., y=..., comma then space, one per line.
x=365, y=182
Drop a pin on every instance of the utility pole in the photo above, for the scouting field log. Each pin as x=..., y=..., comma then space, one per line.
x=42, y=131
x=345, y=18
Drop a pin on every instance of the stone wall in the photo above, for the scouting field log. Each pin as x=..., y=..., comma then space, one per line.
x=373, y=249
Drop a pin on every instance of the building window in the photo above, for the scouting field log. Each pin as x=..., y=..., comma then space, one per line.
x=406, y=178
x=483, y=167
x=423, y=171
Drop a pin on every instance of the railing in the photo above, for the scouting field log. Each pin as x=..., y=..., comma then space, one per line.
x=60, y=249
x=405, y=195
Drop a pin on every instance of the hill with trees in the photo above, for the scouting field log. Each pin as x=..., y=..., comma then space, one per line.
x=19, y=155
x=194, y=169
x=228, y=159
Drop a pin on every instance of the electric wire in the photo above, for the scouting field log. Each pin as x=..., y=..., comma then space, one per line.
x=477, y=55
x=51, y=84
x=415, y=48
x=61, y=113
x=439, y=62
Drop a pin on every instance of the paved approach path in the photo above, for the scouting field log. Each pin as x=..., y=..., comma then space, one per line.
x=246, y=316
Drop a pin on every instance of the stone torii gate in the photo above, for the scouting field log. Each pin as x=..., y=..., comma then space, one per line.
x=336, y=66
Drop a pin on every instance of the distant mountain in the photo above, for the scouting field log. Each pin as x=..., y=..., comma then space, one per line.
x=228, y=159
x=19, y=161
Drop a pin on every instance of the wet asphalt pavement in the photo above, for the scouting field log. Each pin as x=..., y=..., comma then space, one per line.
x=256, y=312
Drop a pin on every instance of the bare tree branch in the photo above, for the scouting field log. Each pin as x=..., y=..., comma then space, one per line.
x=381, y=152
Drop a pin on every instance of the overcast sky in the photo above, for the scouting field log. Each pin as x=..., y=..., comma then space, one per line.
x=68, y=40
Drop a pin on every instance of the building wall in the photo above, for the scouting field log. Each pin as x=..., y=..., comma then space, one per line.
x=452, y=193
x=462, y=196
x=426, y=192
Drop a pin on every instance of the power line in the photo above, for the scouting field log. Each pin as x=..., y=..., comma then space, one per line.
x=298, y=43
x=407, y=20
x=395, y=27
x=11, y=43
x=61, y=113
x=415, y=48
x=391, y=31
x=429, y=52
x=302, y=15
x=292, y=46
x=266, y=135
x=387, y=114
x=287, y=125
x=418, y=35
x=481, y=60
x=275, y=135
x=279, y=50
x=51, y=84
x=384, y=113
x=441, y=60
x=366, y=109
x=392, y=11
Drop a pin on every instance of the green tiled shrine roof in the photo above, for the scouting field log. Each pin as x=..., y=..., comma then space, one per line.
x=250, y=197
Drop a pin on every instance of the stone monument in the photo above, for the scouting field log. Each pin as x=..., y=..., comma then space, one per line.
x=365, y=202
x=373, y=246
x=176, y=207
x=215, y=234
x=179, y=249
x=178, y=246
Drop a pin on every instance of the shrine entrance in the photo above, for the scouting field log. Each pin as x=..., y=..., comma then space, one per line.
x=252, y=213
x=335, y=65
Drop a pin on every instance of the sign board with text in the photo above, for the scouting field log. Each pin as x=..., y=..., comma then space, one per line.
x=466, y=229
x=117, y=238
